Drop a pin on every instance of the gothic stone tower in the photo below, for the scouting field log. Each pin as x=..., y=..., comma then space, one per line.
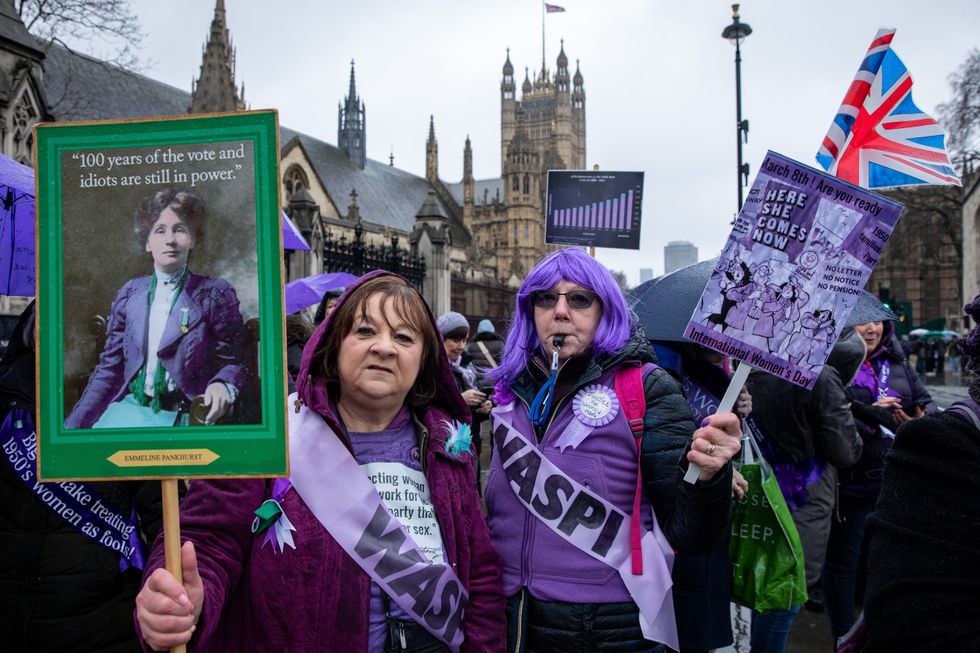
x=548, y=109
x=352, y=125
x=214, y=90
x=544, y=130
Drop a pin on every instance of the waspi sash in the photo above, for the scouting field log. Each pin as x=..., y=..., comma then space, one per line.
x=77, y=503
x=591, y=524
x=346, y=503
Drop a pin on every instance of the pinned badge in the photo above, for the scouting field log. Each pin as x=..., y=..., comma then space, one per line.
x=184, y=320
x=271, y=518
x=594, y=405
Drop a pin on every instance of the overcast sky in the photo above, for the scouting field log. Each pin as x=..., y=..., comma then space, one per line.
x=659, y=81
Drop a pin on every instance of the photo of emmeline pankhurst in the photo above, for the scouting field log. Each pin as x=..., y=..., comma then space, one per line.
x=173, y=336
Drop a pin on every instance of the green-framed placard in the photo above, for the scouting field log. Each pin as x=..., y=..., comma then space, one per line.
x=160, y=298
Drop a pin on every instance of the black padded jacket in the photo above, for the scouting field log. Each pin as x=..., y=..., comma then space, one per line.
x=60, y=590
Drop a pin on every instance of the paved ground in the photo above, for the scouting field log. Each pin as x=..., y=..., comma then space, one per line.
x=947, y=392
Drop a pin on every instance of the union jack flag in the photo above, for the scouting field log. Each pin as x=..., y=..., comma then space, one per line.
x=879, y=138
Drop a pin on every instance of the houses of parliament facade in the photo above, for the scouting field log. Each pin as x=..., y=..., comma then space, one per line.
x=478, y=238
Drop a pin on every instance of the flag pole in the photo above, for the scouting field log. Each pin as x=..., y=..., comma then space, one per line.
x=542, y=36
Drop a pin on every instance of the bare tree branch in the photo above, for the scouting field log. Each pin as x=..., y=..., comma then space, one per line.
x=110, y=22
x=937, y=210
x=961, y=115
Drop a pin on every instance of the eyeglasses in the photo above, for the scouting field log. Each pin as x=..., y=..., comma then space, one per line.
x=577, y=299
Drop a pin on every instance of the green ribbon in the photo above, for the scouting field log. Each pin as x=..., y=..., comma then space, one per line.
x=266, y=516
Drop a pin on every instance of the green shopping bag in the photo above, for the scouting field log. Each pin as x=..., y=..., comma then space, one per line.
x=765, y=550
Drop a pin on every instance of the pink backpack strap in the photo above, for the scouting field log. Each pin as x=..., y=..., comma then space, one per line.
x=629, y=391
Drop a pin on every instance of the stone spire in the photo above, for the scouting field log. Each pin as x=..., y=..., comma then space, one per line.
x=352, y=125
x=432, y=153
x=214, y=89
x=468, y=182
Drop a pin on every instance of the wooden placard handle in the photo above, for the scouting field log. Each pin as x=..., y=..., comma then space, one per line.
x=171, y=536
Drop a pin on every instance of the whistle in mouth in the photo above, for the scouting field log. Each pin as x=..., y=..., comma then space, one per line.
x=557, y=341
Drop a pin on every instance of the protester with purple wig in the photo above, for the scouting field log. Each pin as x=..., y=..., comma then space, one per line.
x=924, y=562
x=572, y=501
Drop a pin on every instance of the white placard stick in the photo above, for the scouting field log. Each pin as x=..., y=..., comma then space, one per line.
x=727, y=402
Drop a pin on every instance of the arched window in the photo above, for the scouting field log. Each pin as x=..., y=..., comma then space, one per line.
x=516, y=185
x=527, y=184
x=295, y=176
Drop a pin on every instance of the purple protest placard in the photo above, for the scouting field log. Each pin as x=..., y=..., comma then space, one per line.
x=802, y=248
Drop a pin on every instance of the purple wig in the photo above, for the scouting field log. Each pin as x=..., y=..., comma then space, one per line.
x=575, y=266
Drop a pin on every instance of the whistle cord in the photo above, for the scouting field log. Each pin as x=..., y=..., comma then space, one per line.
x=541, y=406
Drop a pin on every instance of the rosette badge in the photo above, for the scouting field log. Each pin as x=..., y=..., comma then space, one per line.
x=271, y=519
x=593, y=406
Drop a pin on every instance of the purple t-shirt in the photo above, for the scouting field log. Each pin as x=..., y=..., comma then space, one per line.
x=391, y=459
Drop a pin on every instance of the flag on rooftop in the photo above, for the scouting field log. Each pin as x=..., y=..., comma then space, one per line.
x=879, y=137
x=553, y=9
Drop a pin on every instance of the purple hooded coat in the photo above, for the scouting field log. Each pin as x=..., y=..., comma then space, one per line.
x=316, y=598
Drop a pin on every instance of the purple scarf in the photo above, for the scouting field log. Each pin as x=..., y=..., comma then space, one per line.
x=469, y=376
x=874, y=375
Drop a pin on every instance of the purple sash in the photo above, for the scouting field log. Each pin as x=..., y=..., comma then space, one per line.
x=346, y=503
x=591, y=524
x=875, y=382
x=77, y=503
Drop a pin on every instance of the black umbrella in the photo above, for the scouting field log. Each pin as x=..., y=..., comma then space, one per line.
x=664, y=305
x=869, y=309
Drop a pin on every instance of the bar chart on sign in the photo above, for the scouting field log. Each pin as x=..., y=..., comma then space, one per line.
x=600, y=209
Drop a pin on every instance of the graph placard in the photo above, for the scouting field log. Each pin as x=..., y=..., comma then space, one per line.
x=599, y=209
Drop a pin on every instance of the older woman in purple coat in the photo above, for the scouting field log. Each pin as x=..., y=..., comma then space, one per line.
x=376, y=541
x=173, y=335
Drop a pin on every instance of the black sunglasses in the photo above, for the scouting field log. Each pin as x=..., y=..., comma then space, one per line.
x=577, y=299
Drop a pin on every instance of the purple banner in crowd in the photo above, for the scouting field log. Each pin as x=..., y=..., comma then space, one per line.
x=347, y=504
x=802, y=248
x=75, y=502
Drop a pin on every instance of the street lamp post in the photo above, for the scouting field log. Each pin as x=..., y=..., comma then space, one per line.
x=736, y=33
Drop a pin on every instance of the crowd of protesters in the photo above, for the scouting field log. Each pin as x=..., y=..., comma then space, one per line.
x=583, y=536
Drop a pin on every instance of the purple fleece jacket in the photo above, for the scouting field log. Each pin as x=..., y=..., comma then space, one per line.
x=316, y=598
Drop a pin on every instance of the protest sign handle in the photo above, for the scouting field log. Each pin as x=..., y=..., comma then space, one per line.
x=725, y=406
x=171, y=536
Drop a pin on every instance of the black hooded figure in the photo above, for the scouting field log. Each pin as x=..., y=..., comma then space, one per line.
x=924, y=554
x=59, y=589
